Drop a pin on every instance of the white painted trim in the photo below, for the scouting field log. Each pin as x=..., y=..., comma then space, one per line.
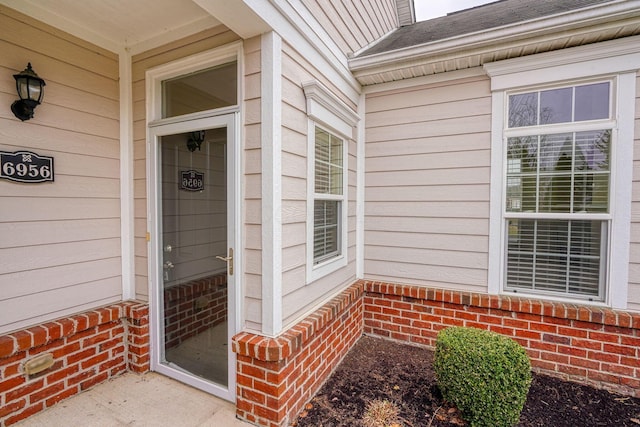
x=360, y=188
x=496, y=205
x=608, y=57
x=126, y=177
x=155, y=268
x=621, y=204
x=619, y=58
x=271, y=152
x=291, y=20
x=231, y=119
x=315, y=272
x=331, y=113
x=193, y=63
x=425, y=80
x=326, y=108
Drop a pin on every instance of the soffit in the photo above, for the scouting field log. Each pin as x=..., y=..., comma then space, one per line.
x=604, y=22
x=119, y=24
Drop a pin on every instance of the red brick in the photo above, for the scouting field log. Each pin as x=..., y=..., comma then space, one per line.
x=554, y=357
x=61, y=374
x=572, y=370
x=99, y=358
x=39, y=335
x=7, y=345
x=557, y=339
x=573, y=332
x=543, y=327
x=76, y=357
x=61, y=396
x=93, y=381
x=589, y=344
x=617, y=369
x=604, y=337
x=29, y=411
x=618, y=349
x=585, y=363
x=11, y=384
x=573, y=351
x=46, y=392
x=23, y=339
x=604, y=357
x=12, y=407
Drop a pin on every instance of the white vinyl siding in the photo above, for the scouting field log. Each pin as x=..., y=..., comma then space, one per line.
x=427, y=183
x=299, y=296
x=60, y=244
x=354, y=24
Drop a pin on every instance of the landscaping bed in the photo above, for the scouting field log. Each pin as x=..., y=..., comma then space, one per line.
x=377, y=370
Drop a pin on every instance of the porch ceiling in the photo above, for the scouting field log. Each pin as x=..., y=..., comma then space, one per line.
x=118, y=24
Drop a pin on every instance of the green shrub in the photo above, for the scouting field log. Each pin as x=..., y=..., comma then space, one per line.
x=486, y=375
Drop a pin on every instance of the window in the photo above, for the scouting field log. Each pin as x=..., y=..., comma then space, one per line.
x=331, y=126
x=561, y=173
x=328, y=196
x=557, y=190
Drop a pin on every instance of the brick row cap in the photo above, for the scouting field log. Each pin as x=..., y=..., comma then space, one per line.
x=287, y=344
x=18, y=341
x=581, y=312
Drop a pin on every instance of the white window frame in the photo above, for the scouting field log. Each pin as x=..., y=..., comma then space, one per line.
x=332, y=115
x=617, y=61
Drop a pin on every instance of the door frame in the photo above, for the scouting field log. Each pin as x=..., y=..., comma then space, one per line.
x=156, y=128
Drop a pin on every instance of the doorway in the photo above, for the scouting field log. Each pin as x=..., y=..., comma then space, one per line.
x=194, y=215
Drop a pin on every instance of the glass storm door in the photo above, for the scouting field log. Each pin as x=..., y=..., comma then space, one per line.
x=195, y=256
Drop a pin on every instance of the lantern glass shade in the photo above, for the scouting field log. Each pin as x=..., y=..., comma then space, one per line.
x=30, y=89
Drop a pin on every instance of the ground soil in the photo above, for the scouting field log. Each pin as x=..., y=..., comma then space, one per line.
x=403, y=374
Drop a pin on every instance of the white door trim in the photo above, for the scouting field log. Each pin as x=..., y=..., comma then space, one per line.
x=154, y=224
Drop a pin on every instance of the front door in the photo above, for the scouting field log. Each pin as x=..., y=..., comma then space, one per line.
x=195, y=224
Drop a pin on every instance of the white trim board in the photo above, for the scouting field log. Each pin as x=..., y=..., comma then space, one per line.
x=271, y=152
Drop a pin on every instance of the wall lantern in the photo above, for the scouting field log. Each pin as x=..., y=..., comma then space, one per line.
x=195, y=140
x=30, y=89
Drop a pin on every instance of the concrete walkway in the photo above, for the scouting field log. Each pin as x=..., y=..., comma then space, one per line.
x=139, y=400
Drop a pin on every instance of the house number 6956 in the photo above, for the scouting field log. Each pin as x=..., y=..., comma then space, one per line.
x=25, y=166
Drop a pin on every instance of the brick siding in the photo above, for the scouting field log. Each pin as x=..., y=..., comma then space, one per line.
x=87, y=349
x=277, y=376
x=587, y=344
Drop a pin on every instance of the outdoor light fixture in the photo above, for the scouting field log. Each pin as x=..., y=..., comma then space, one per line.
x=195, y=140
x=30, y=89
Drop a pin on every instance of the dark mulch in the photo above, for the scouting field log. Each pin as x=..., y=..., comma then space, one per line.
x=403, y=374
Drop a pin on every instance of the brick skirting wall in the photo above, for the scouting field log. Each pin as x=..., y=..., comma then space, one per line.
x=581, y=343
x=87, y=349
x=194, y=307
x=277, y=376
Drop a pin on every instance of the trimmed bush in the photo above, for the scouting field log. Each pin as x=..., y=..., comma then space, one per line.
x=486, y=375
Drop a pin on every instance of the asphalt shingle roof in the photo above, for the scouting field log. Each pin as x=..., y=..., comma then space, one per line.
x=489, y=16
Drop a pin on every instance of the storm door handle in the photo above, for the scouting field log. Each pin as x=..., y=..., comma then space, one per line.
x=229, y=260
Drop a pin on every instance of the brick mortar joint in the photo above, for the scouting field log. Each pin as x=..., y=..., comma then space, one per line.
x=292, y=340
x=498, y=302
